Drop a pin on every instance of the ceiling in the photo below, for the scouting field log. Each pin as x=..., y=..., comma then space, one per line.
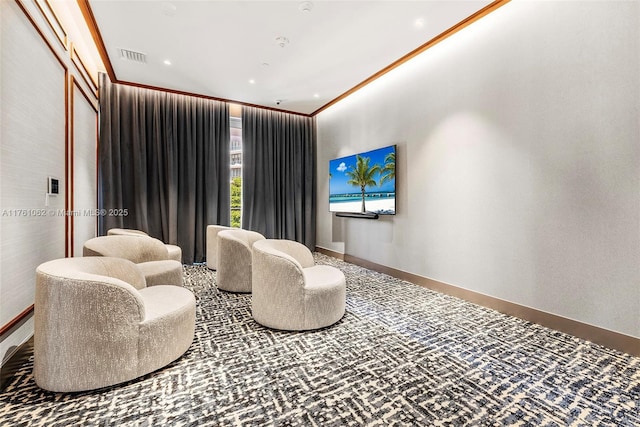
x=231, y=49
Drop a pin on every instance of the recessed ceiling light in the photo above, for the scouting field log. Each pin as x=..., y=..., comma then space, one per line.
x=167, y=62
x=316, y=95
x=252, y=81
x=282, y=41
x=305, y=6
x=418, y=23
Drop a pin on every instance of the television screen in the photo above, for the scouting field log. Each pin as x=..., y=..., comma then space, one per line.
x=364, y=182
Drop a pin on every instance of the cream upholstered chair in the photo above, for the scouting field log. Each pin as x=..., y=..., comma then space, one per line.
x=175, y=252
x=234, y=259
x=97, y=324
x=290, y=292
x=212, y=244
x=149, y=254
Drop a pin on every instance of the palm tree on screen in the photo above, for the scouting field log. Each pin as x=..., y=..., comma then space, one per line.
x=388, y=172
x=362, y=175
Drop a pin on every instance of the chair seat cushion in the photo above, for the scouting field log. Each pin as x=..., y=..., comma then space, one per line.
x=165, y=272
x=323, y=276
x=324, y=297
x=168, y=328
x=162, y=300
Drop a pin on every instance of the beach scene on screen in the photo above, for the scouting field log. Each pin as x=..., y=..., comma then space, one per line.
x=364, y=182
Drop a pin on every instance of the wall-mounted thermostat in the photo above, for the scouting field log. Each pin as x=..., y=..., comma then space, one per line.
x=53, y=186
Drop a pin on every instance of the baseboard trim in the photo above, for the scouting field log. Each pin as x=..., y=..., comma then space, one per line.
x=595, y=334
x=330, y=253
x=16, y=321
x=15, y=362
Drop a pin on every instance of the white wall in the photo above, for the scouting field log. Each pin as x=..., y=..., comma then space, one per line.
x=85, y=186
x=33, y=140
x=35, y=133
x=518, y=161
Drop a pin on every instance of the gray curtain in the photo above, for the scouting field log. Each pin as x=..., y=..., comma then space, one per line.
x=165, y=159
x=279, y=175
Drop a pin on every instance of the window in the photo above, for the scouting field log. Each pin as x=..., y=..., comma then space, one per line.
x=235, y=162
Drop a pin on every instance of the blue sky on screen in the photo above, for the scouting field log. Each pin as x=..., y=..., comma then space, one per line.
x=339, y=167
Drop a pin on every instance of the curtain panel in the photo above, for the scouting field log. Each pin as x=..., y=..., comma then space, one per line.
x=279, y=175
x=165, y=159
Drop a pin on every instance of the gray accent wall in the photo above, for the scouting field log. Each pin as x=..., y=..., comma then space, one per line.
x=518, y=161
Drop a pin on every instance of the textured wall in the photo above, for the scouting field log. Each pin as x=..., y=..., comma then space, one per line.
x=85, y=170
x=37, y=125
x=518, y=161
x=33, y=143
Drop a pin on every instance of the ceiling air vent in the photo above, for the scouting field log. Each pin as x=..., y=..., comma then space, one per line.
x=130, y=55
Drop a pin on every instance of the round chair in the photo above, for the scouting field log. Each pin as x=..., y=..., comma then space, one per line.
x=174, y=251
x=96, y=323
x=234, y=259
x=290, y=292
x=149, y=254
x=212, y=244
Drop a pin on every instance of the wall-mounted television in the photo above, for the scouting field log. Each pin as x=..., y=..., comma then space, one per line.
x=364, y=182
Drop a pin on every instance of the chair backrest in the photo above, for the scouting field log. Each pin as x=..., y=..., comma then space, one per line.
x=245, y=237
x=234, y=259
x=76, y=293
x=278, y=284
x=82, y=303
x=212, y=244
x=278, y=261
x=134, y=248
x=289, y=248
x=125, y=232
x=95, y=269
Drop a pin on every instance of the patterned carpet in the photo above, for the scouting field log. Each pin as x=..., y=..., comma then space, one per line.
x=401, y=356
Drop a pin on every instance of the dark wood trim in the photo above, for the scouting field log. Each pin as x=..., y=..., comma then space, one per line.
x=71, y=166
x=63, y=39
x=428, y=45
x=6, y=328
x=211, y=98
x=595, y=334
x=95, y=32
x=97, y=167
x=39, y=31
x=57, y=19
x=71, y=160
x=90, y=20
x=16, y=320
x=83, y=70
x=330, y=253
x=66, y=109
x=87, y=97
x=68, y=232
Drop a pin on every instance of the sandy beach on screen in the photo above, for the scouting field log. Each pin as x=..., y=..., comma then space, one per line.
x=371, y=205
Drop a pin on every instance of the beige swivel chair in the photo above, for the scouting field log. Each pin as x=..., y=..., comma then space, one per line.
x=234, y=259
x=149, y=254
x=212, y=244
x=175, y=252
x=97, y=324
x=290, y=292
